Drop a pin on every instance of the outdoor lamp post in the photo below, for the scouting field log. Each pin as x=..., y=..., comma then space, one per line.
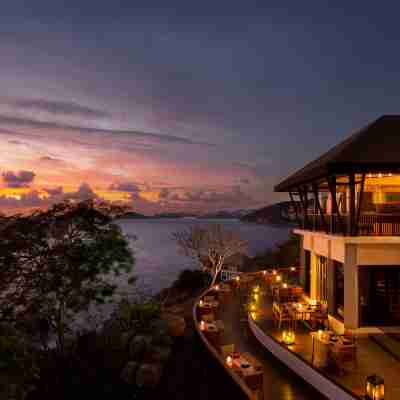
x=375, y=388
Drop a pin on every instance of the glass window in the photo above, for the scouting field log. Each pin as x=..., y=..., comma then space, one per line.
x=322, y=278
x=307, y=272
x=339, y=289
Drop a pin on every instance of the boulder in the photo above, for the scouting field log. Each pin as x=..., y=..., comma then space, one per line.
x=112, y=333
x=138, y=346
x=158, y=354
x=148, y=375
x=126, y=339
x=128, y=374
x=176, y=325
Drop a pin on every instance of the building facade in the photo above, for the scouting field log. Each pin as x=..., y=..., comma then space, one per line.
x=347, y=204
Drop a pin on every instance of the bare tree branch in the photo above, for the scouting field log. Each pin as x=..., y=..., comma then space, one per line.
x=210, y=246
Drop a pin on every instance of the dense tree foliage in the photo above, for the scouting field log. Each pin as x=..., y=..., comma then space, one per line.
x=54, y=263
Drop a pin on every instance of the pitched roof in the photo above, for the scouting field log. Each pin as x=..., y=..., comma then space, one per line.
x=373, y=148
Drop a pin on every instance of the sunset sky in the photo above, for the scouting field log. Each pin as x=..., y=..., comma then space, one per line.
x=182, y=105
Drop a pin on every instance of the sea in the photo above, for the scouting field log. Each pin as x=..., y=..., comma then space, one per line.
x=158, y=259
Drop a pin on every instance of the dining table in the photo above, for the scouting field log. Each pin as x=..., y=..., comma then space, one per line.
x=207, y=307
x=249, y=369
x=326, y=342
x=212, y=331
x=303, y=312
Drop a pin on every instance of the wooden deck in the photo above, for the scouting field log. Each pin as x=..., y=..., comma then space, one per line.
x=370, y=356
x=279, y=382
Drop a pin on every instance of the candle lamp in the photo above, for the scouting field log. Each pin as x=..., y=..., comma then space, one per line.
x=202, y=325
x=293, y=269
x=375, y=388
x=284, y=285
x=216, y=287
x=201, y=303
x=278, y=278
x=288, y=337
x=264, y=272
x=237, y=279
x=229, y=361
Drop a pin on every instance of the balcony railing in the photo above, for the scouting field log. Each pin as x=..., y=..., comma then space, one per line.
x=368, y=224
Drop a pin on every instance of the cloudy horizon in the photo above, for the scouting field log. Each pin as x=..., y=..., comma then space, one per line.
x=190, y=107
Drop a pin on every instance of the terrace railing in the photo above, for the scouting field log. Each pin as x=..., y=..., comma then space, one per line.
x=368, y=224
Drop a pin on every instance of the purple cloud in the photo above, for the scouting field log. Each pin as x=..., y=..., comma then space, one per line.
x=18, y=179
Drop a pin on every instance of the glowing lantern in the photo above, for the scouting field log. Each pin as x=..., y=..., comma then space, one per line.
x=216, y=287
x=229, y=361
x=201, y=303
x=293, y=269
x=274, y=272
x=285, y=285
x=264, y=272
x=288, y=337
x=379, y=175
x=237, y=279
x=202, y=325
x=278, y=278
x=375, y=388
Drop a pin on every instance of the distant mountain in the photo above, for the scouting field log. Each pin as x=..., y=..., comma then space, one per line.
x=279, y=214
x=132, y=215
x=174, y=215
x=225, y=214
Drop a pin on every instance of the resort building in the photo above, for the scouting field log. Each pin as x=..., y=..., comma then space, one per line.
x=347, y=204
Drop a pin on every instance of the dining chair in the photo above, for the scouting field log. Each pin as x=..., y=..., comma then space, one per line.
x=208, y=317
x=343, y=354
x=227, y=350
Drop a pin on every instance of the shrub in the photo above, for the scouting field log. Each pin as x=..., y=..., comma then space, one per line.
x=138, y=315
x=191, y=280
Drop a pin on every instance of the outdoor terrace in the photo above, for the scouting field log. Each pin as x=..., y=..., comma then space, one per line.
x=243, y=310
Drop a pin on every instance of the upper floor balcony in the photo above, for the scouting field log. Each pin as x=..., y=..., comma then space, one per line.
x=354, y=188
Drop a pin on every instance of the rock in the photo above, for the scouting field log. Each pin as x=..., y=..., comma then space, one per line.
x=115, y=360
x=158, y=354
x=128, y=374
x=148, y=375
x=138, y=346
x=126, y=339
x=112, y=335
x=159, y=326
x=176, y=325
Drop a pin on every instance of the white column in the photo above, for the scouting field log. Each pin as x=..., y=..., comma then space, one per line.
x=350, y=287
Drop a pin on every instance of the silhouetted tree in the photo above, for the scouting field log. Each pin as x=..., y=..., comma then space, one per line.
x=54, y=263
x=210, y=246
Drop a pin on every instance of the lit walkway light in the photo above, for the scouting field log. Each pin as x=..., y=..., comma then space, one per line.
x=375, y=388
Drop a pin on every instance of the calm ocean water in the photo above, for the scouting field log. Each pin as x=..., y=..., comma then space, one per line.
x=158, y=261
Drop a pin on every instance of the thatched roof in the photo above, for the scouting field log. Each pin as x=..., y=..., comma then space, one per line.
x=375, y=148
